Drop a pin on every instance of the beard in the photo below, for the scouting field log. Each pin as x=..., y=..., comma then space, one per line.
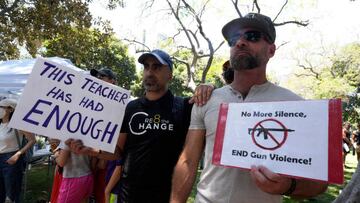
x=244, y=62
x=151, y=84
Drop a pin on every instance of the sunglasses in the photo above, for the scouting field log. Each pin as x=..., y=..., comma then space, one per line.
x=251, y=36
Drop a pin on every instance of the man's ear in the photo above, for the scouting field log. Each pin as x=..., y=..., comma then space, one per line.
x=272, y=50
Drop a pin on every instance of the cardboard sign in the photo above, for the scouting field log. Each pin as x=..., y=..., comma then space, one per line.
x=294, y=138
x=62, y=103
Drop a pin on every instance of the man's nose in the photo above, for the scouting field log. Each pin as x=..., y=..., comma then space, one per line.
x=241, y=42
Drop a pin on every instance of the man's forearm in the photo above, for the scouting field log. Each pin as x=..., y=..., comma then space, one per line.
x=307, y=188
x=182, y=182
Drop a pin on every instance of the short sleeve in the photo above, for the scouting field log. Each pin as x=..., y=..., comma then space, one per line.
x=197, y=118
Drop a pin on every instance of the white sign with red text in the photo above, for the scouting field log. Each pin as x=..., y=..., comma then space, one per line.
x=62, y=103
x=294, y=138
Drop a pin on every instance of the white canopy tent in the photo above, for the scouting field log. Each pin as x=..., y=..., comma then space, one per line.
x=14, y=74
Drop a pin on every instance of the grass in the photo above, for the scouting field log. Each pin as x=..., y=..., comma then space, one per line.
x=39, y=183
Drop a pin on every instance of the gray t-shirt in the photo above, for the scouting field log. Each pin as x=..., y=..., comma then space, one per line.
x=76, y=165
x=230, y=185
x=351, y=193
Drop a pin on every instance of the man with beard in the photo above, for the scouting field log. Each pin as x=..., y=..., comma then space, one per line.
x=152, y=134
x=251, y=40
x=154, y=128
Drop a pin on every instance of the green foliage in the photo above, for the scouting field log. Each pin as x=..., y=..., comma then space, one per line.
x=351, y=108
x=137, y=89
x=347, y=64
x=91, y=48
x=177, y=86
x=340, y=79
x=28, y=23
x=214, y=75
x=331, y=87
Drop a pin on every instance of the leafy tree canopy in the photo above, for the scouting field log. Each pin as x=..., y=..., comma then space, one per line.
x=339, y=79
x=91, y=48
x=28, y=23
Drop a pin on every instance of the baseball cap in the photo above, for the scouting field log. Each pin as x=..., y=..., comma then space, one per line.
x=160, y=55
x=251, y=20
x=104, y=72
x=8, y=103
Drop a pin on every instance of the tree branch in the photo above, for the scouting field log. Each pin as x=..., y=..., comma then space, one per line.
x=235, y=3
x=217, y=48
x=256, y=4
x=210, y=46
x=188, y=68
x=301, y=23
x=282, y=44
x=177, y=17
x=133, y=41
x=310, y=68
x=282, y=8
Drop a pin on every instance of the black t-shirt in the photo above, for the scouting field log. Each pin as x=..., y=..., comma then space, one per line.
x=156, y=132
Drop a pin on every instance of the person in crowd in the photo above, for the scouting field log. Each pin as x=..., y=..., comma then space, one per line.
x=154, y=127
x=79, y=171
x=356, y=141
x=251, y=40
x=346, y=137
x=113, y=175
x=100, y=165
x=77, y=182
x=54, y=143
x=11, y=153
x=153, y=133
x=228, y=72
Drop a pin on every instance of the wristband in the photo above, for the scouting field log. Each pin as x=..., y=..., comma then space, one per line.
x=291, y=188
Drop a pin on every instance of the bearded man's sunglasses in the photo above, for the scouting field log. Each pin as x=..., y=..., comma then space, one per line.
x=251, y=36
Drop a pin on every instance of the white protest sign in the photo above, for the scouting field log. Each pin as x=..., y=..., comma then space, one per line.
x=294, y=138
x=60, y=102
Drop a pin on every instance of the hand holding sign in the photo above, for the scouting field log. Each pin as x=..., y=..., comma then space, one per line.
x=269, y=181
x=283, y=136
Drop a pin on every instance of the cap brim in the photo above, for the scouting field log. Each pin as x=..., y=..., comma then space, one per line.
x=234, y=26
x=143, y=57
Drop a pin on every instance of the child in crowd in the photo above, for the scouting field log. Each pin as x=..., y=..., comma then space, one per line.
x=77, y=182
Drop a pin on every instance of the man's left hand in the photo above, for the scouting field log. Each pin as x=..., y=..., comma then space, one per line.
x=269, y=181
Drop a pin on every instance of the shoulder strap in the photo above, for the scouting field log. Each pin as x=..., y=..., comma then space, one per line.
x=17, y=138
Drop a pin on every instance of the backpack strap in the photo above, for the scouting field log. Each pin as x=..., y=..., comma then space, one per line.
x=17, y=138
x=178, y=108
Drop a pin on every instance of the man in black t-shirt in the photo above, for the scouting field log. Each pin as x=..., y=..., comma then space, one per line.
x=154, y=128
x=152, y=134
